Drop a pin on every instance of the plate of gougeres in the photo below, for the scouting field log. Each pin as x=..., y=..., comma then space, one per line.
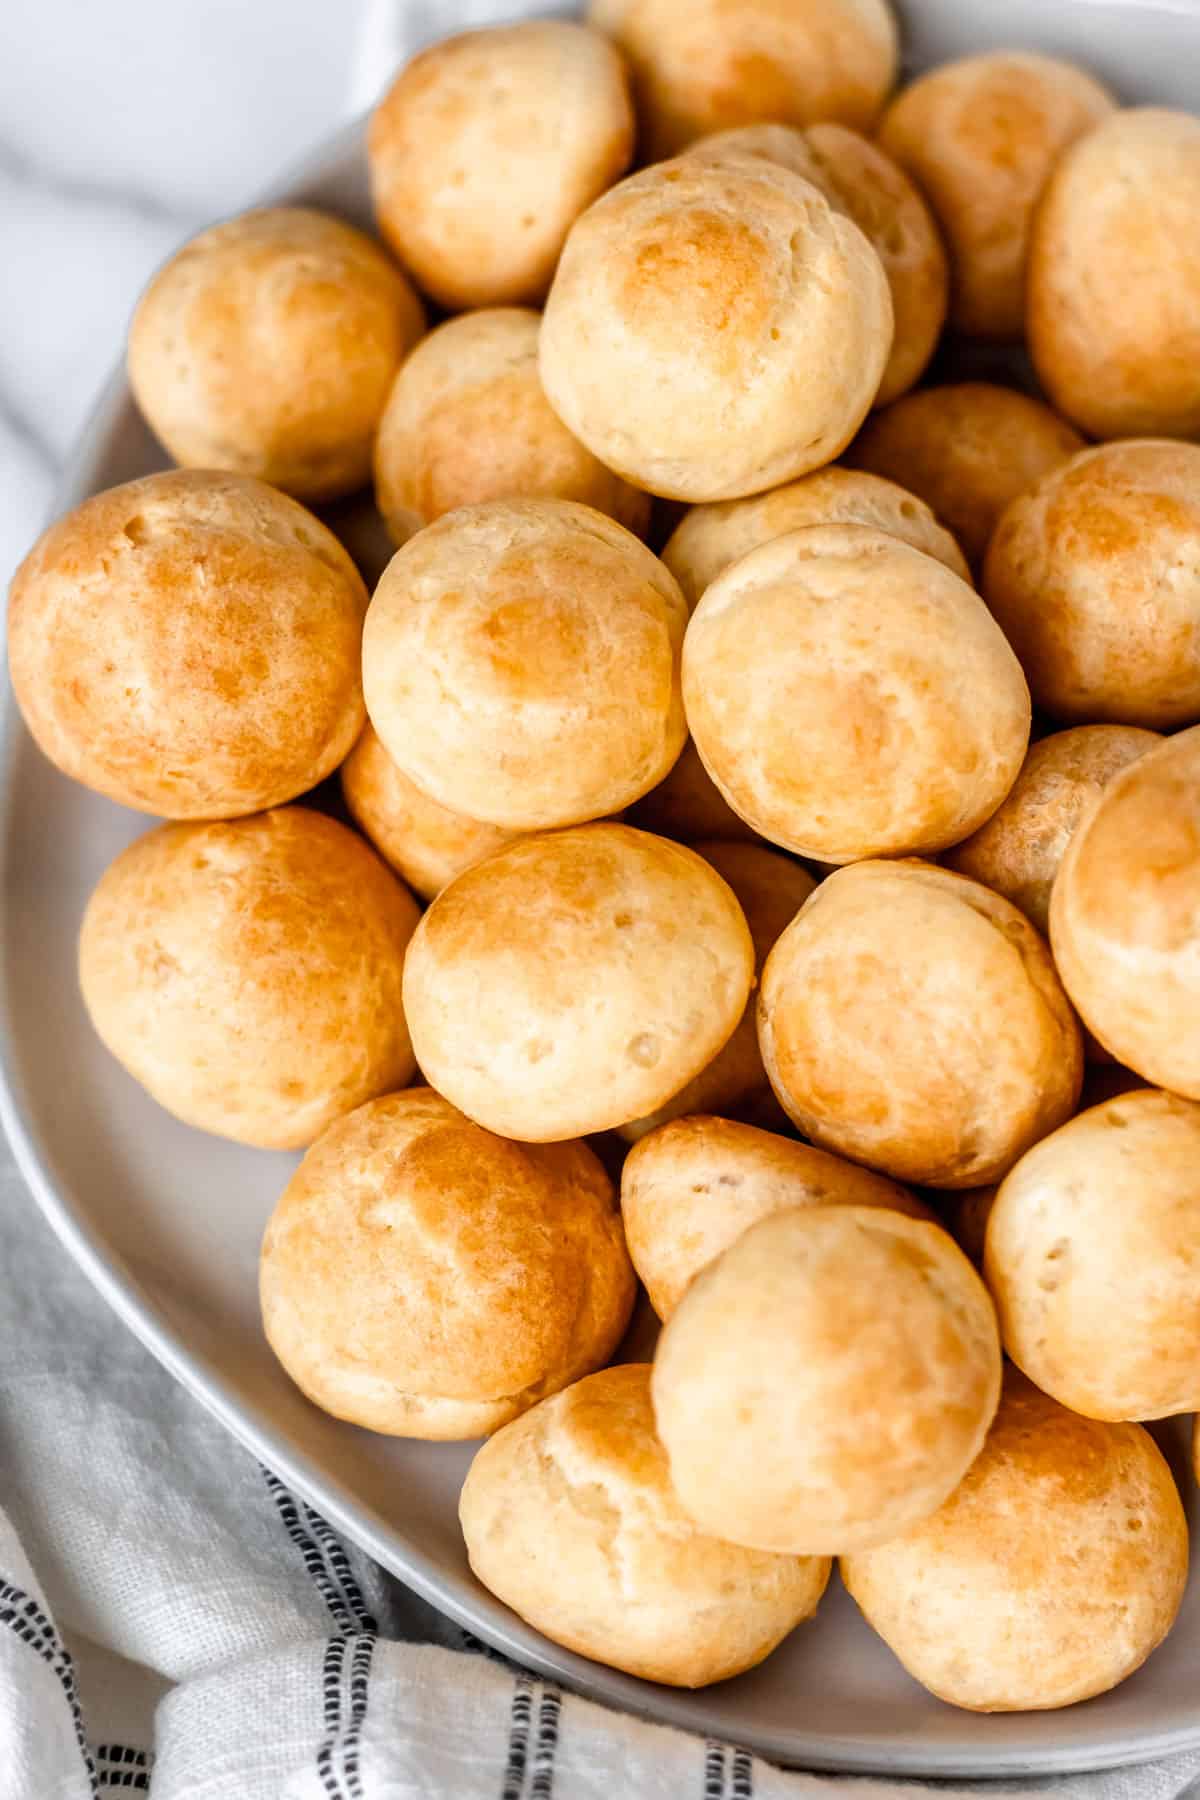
x=713, y=837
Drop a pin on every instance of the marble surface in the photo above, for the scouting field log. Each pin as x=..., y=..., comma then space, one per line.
x=126, y=125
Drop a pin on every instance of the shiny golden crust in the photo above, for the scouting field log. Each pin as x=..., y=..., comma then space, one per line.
x=704, y=65
x=715, y=329
x=874, y=1373
x=858, y=179
x=426, y=844
x=426, y=1279
x=913, y=1020
x=1091, y=1252
x=267, y=346
x=690, y=1189
x=521, y=663
x=709, y=538
x=570, y=1519
x=188, y=645
x=981, y=136
x=1125, y=916
x=685, y=805
x=852, y=697
x=967, y=449
x=467, y=421
x=1094, y=578
x=770, y=889
x=1114, y=278
x=576, y=980
x=1049, y=1575
x=248, y=973
x=1018, y=851
x=487, y=146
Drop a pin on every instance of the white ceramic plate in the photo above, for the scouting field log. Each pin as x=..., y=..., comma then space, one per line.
x=166, y=1221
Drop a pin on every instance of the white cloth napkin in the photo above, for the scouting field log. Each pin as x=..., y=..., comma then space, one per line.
x=172, y=1620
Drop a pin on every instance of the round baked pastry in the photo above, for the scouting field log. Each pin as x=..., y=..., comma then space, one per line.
x=576, y=980
x=571, y=1520
x=1125, y=916
x=686, y=805
x=690, y=1189
x=487, y=146
x=521, y=663
x=858, y=179
x=702, y=65
x=912, y=1019
x=1091, y=1251
x=188, y=645
x=467, y=421
x=267, y=346
x=1018, y=851
x=421, y=1277
x=1114, y=278
x=426, y=844
x=967, y=449
x=770, y=889
x=709, y=538
x=715, y=328
x=248, y=973
x=1095, y=580
x=827, y=1381
x=981, y=136
x=1048, y=1576
x=841, y=625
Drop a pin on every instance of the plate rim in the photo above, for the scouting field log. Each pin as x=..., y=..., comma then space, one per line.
x=471, y=1608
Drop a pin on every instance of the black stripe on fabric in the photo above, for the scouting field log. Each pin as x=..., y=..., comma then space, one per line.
x=20, y=1612
x=714, y=1770
x=331, y=1689
x=360, y=1692
x=120, y=1754
x=542, y=1785
x=742, y=1781
x=323, y=1580
x=328, y=1566
x=346, y=1691
x=518, y=1738
x=339, y=1562
x=122, y=1767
